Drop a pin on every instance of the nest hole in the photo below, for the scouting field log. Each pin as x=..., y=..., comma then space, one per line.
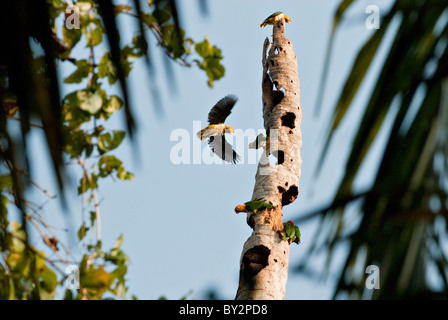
x=255, y=259
x=290, y=195
x=277, y=96
x=288, y=120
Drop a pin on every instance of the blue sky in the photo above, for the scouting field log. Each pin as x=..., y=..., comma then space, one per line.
x=180, y=229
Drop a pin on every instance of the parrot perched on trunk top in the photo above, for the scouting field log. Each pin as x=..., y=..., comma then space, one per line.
x=275, y=17
x=216, y=129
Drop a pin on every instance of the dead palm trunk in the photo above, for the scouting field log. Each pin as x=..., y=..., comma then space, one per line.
x=265, y=257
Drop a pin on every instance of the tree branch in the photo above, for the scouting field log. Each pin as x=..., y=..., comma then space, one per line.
x=95, y=200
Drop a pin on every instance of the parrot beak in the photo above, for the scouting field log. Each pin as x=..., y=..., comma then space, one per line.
x=240, y=208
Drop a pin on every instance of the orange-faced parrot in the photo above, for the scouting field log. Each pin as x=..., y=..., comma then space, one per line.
x=275, y=17
x=252, y=206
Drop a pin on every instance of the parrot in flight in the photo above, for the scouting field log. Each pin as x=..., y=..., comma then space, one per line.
x=216, y=130
x=275, y=17
x=252, y=206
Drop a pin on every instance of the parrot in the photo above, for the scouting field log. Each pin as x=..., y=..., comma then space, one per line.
x=291, y=232
x=260, y=141
x=275, y=17
x=252, y=206
x=216, y=130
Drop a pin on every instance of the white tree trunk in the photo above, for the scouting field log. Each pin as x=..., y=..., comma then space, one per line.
x=265, y=257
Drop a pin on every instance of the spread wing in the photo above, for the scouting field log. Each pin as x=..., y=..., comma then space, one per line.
x=223, y=149
x=222, y=109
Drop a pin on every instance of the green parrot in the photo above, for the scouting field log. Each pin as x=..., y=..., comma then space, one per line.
x=252, y=206
x=275, y=17
x=291, y=232
x=260, y=141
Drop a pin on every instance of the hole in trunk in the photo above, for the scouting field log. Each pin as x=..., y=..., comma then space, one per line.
x=255, y=259
x=278, y=96
x=283, y=90
x=288, y=120
x=290, y=195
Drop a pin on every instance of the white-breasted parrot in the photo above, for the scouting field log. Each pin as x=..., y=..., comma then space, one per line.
x=216, y=130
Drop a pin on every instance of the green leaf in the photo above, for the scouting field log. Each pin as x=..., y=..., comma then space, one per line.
x=82, y=231
x=107, y=164
x=118, y=242
x=96, y=279
x=123, y=174
x=204, y=49
x=139, y=48
x=86, y=184
x=174, y=42
x=48, y=280
x=353, y=82
x=107, y=69
x=95, y=37
x=76, y=142
x=211, y=61
x=73, y=116
x=108, y=141
x=149, y=19
x=71, y=36
x=162, y=16
x=5, y=181
x=113, y=104
x=343, y=6
x=92, y=218
x=82, y=71
x=215, y=71
x=89, y=101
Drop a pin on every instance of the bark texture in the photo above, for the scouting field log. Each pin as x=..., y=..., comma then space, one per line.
x=265, y=257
